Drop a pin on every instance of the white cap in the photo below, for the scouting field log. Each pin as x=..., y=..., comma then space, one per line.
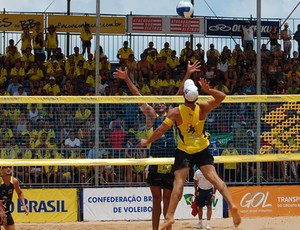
x=190, y=91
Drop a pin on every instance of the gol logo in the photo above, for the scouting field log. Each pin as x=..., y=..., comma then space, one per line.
x=255, y=199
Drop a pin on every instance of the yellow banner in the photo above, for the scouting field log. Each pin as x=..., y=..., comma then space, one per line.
x=46, y=205
x=75, y=24
x=16, y=22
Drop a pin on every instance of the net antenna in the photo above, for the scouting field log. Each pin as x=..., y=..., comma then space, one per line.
x=49, y=6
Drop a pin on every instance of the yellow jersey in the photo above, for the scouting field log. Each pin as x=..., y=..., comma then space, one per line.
x=191, y=136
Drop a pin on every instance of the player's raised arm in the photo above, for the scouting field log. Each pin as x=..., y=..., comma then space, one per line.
x=147, y=110
x=189, y=71
x=217, y=95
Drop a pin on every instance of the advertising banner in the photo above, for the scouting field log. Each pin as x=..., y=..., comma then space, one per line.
x=165, y=25
x=220, y=27
x=75, y=24
x=256, y=201
x=16, y=22
x=46, y=205
x=135, y=204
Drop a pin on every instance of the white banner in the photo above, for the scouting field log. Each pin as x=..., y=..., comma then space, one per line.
x=165, y=25
x=135, y=204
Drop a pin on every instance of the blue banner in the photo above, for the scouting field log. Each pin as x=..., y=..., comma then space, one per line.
x=220, y=27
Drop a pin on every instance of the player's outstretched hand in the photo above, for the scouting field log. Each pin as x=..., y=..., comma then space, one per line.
x=204, y=84
x=120, y=74
x=194, y=67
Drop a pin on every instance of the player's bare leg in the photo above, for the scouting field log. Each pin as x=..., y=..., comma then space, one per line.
x=180, y=177
x=211, y=175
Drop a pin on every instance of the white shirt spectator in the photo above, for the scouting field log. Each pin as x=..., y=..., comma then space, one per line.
x=72, y=143
x=203, y=183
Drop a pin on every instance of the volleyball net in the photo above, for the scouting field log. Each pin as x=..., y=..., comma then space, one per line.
x=68, y=139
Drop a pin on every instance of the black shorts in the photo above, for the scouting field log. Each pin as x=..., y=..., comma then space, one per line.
x=183, y=159
x=10, y=220
x=164, y=180
x=86, y=43
x=203, y=197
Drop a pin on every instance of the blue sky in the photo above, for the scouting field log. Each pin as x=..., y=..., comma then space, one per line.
x=222, y=8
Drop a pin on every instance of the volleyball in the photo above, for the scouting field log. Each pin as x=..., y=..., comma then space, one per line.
x=185, y=8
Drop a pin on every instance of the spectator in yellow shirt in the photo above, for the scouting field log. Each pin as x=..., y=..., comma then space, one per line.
x=231, y=169
x=155, y=85
x=105, y=66
x=35, y=74
x=12, y=57
x=173, y=63
x=86, y=36
x=3, y=75
x=56, y=71
x=82, y=113
x=51, y=41
x=120, y=92
x=26, y=38
x=166, y=51
x=168, y=85
x=27, y=59
x=221, y=87
x=77, y=56
x=19, y=72
x=52, y=87
x=143, y=88
x=123, y=53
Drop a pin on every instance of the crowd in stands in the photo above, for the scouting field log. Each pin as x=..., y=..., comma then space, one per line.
x=48, y=131
x=40, y=67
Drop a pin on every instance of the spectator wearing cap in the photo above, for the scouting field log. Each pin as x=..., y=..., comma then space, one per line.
x=297, y=37
x=51, y=86
x=247, y=34
x=286, y=36
x=56, y=71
